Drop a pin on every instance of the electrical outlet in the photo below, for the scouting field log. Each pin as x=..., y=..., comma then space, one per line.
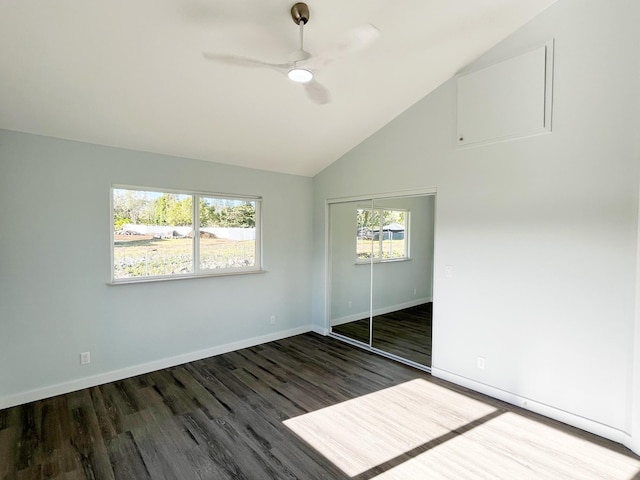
x=85, y=358
x=448, y=271
x=349, y=303
x=481, y=363
x=415, y=292
x=272, y=319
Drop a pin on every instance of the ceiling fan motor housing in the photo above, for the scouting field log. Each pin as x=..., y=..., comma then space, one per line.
x=300, y=13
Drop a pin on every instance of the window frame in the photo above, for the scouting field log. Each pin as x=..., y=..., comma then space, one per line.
x=380, y=258
x=197, y=271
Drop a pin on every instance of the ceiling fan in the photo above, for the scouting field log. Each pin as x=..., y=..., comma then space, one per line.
x=302, y=66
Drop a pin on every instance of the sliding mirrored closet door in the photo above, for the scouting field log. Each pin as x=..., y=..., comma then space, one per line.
x=350, y=286
x=381, y=274
x=402, y=278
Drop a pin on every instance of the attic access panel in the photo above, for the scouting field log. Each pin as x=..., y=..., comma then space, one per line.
x=507, y=100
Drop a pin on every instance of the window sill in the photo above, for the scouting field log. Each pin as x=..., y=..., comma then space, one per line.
x=390, y=260
x=129, y=281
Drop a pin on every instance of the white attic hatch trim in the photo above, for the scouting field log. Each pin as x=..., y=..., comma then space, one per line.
x=507, y=100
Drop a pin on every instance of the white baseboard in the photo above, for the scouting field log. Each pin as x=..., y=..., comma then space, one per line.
x=115, y=375
x=632, y=443
x=320, y=330
x=379, y=311
x=349, y=318
x=582, y=423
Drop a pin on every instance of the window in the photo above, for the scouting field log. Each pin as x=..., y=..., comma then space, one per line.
x=382, y=234
x=166, y=234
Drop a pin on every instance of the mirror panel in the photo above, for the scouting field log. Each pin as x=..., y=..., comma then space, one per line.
x=381, y=274
x=402, y=277
x=350, y=272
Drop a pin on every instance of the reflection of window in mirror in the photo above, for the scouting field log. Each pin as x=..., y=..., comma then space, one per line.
x=382, y=234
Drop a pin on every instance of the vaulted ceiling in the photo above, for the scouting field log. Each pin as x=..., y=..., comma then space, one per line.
x=131, y=73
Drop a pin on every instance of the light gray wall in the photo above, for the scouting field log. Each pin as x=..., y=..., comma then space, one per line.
x=54, y=263
x=540, y=232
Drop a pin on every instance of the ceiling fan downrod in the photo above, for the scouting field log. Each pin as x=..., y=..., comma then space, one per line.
x=300, y=15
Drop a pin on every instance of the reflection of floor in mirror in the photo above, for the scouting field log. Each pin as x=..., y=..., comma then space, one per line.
x=405, y=333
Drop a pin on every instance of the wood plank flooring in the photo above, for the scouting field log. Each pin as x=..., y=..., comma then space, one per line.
x=306, y=407
x=405, y=333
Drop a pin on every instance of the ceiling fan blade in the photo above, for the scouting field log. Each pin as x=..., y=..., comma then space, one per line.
x=243, y=61
x=317, y=93
x=352, y=42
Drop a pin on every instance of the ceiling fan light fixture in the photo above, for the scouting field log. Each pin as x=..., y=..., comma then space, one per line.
x=300, y=75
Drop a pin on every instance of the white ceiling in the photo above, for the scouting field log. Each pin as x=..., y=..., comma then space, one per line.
x=131, y=73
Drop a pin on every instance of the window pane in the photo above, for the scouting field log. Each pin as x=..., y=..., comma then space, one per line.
x=227, y=233
x=366, y=245
x=152, y=233
x=393, y=234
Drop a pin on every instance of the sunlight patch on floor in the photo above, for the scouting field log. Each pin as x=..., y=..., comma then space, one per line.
x=512, y=446
x=360, y=434
x=421, y=430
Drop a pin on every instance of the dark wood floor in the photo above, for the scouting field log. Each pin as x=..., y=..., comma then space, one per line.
x=405, y=333
x=306, y=407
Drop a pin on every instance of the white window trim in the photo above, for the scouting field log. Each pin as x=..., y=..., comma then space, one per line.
x=197, y=271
